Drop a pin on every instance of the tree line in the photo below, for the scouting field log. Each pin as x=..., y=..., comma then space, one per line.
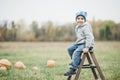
x=48, y=31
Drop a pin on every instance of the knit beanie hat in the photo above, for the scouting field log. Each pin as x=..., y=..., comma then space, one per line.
x=81, y=13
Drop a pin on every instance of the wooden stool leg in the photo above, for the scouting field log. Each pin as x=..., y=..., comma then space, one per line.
x=69, y=77
x=80, y=66
x=97, y=66
x=93, y=69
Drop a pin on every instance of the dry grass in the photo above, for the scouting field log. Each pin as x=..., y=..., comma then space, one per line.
x=37, y=54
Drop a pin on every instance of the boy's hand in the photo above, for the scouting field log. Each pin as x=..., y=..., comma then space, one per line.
x=85, y=50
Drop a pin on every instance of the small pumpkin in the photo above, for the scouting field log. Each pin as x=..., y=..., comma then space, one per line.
x=3, y=68
x=35, y=68
x=50, y=63
x=6, y=63
x=20, y=65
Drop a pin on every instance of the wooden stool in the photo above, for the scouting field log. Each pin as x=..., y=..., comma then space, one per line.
x=90, y=65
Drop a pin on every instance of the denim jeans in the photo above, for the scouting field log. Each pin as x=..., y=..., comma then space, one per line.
x=75, y=52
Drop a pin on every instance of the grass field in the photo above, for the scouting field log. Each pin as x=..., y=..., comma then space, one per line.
x=37, y=53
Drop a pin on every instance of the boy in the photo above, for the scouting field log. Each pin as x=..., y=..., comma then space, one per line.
x=84, y=42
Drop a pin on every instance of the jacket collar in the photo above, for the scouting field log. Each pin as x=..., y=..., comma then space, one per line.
x=82, y=25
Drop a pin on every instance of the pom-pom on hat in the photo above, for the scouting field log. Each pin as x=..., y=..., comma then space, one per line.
x=81, y=13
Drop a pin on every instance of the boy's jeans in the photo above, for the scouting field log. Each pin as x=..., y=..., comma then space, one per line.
x=75, y=52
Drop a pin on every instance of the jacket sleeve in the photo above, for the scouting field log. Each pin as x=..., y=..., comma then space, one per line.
x=89, y=38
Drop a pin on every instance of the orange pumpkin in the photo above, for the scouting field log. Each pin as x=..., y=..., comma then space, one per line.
x=6, y=63
x=50, y=63
x=3, y=68
x=19, y=65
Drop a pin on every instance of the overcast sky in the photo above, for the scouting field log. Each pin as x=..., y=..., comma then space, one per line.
x=58, y=11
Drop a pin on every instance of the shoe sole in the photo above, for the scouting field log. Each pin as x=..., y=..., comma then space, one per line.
x=69, y=74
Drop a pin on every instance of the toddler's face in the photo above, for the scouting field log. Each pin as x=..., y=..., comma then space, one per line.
x=80, y=20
